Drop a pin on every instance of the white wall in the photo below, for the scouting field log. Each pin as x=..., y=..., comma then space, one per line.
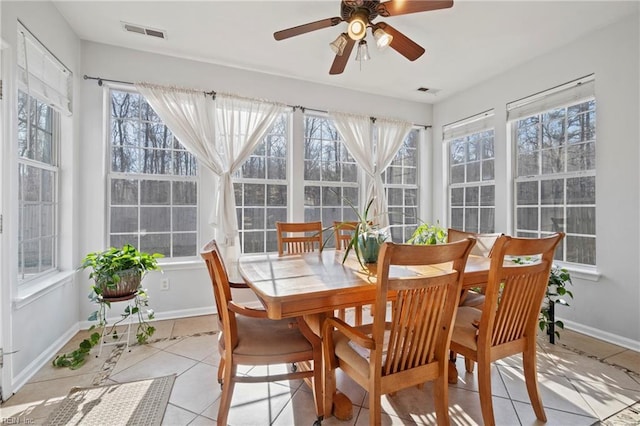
x=42, y=322
x=607, y=308
x=190, y=288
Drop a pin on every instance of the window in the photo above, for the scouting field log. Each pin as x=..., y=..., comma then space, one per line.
x=153, y=188
x=554, y=136
x=471, y=173
x=401, y=184
x=38, y=143
x=261, y=191
x=330, y=174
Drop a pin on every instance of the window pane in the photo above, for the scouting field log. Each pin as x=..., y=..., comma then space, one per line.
x=124, y=219
x=185, y=244
x=567, y=155
x=124, y=192
x=185, y=193
x=155, y=219
x=156, y=243
x=155, y=192
x=184, y=219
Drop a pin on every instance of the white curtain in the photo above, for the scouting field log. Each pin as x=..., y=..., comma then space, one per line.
x=221, y=133
x=372, y=154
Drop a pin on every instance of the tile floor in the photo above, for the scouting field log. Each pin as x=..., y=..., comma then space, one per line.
x=583, y=381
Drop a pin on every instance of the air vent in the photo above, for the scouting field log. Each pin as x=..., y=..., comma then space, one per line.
x=139, y=29
x=428, y=90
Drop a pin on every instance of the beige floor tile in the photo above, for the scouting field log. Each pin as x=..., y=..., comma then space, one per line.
x=557, y=392
x=37, y=400
x=202, y=421
x=137, y=354
x=157, y=365
x=588, y=345
x=197, y=347
x=196, y=388
x=253, y=404
x=192, y=325
x=592, y=370
x=387, y=419
x=464, y=410
x=606, y=399
x=627, y=359
x=174, y=416
x=469, y=381
x=554, y=417
x=164, y=329
x=300, y=410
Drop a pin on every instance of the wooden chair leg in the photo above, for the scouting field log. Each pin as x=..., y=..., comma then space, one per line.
x=375, y=408
x=531, y=380
x=227, y=393
x=484, y=388
x=221, y=371
x=468, y=364
x=441, y=399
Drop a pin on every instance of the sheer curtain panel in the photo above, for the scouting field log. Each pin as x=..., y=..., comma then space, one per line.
x=221, y=132
x=372, y=154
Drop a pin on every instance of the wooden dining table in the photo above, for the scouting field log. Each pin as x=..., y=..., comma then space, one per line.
x=314, y=285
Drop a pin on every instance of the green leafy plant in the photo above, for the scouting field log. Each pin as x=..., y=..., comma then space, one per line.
x=555, y=294
x=427, y=233
x=366, y=237
x=556, y=291
x=109, y=271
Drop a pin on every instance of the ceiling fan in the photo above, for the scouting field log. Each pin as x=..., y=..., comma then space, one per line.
x=360, y=15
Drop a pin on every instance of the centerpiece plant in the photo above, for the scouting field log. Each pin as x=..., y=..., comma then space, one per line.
x=427, y=233
x=117, y=274
x=366, y=237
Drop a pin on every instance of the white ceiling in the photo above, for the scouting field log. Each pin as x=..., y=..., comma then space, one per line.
x=466, y=44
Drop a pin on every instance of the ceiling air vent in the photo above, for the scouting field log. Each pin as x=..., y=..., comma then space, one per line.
x=139, y=29
x=428, y=90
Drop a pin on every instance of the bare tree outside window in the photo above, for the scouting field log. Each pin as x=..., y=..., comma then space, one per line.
x=555, y=178
x=153, y=182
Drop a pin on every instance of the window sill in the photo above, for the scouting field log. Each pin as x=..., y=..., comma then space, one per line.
x=177, y=265
x=31, y=292
x=589, y=274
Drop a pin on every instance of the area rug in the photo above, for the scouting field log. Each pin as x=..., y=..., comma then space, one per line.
x=142, y=402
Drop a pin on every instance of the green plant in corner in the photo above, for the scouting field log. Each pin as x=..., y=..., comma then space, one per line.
x=557, y=289
x=427, y=233
x=117, y=274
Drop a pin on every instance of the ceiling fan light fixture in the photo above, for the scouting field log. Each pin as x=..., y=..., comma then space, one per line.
x=363, y=51
x=383, y=39
x=339, y=44
x=357, y=28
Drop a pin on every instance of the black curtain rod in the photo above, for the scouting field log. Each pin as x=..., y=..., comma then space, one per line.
x=294, y=107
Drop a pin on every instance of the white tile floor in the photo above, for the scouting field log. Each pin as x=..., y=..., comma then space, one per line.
x=583, y=381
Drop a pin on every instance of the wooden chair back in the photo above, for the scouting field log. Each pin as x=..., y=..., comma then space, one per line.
x=343, y=232
x=412, y=348
x=484, y=242
x=299, y=237
x=514, y=294
x=221, y=292
x=422, y=313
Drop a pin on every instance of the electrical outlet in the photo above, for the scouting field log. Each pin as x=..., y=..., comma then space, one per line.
x=164, y=284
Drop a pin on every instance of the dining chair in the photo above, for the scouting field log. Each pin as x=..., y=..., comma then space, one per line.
x=298, y=237
x=248, y=337
x=508, y=321
x=411, y=348
x=483, y=247
x=343, y=233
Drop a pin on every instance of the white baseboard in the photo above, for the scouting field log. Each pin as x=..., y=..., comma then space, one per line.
x=625, y=342
x=45, y=357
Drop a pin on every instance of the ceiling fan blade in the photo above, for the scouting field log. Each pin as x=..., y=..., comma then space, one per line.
x=306, y=28
x=403, y=7
x=401, y=43
x=340, y=62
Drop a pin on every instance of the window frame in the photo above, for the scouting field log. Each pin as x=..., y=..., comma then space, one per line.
x=24, y=279
x=561, y=98
x=462, y=130
x=171, y=178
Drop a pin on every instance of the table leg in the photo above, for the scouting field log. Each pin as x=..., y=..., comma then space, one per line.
x=337, y=404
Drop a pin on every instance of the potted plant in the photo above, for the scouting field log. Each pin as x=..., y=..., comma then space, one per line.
x=366, y=238
x=556, y=290
x=427, y=233
x=117, y=274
